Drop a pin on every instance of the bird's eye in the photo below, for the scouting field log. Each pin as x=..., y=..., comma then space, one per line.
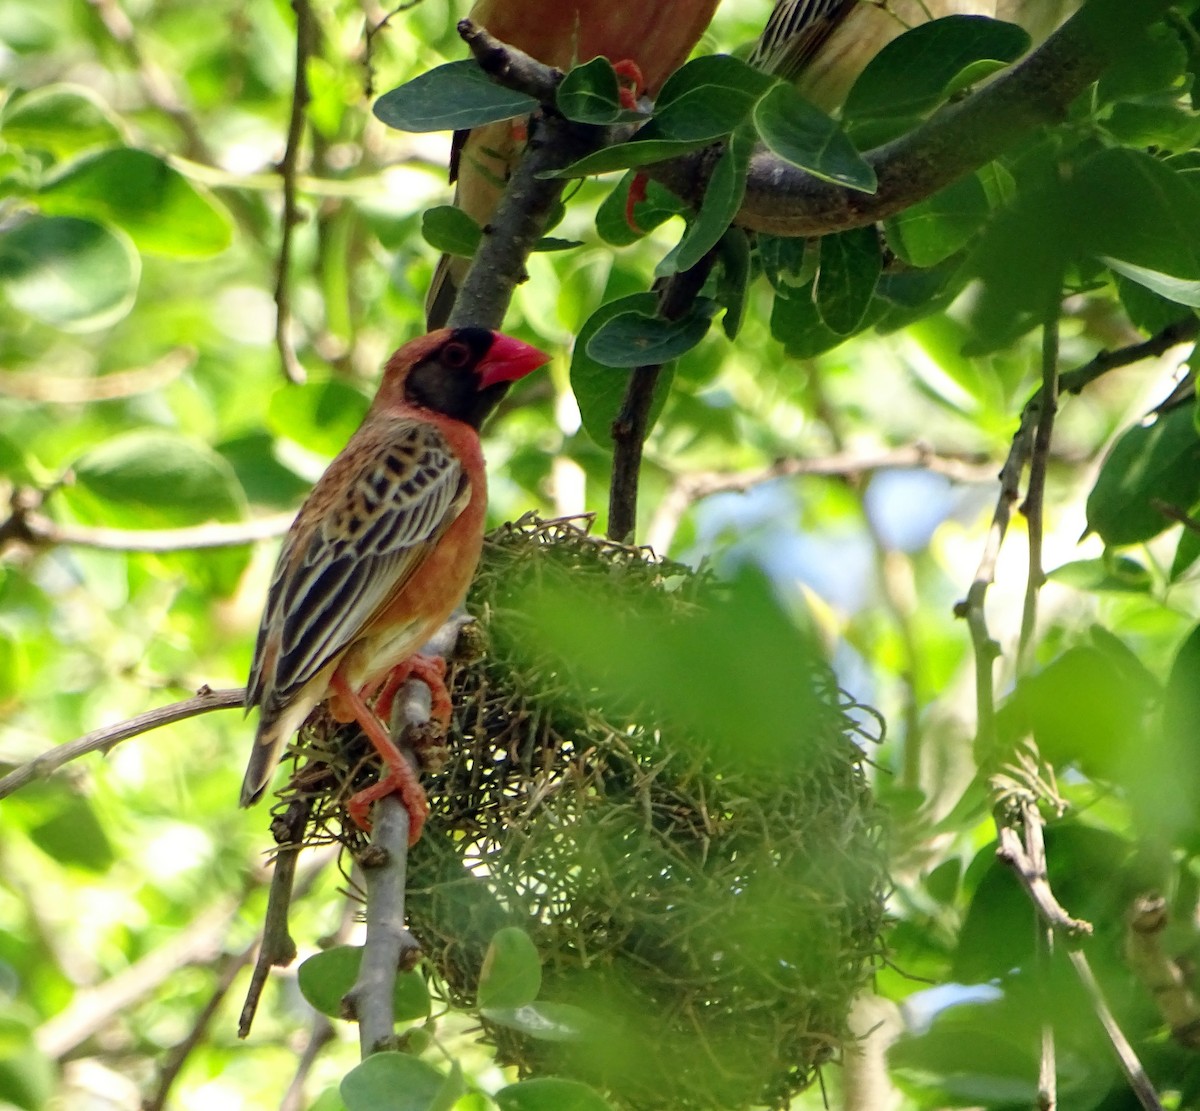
x=456, y=355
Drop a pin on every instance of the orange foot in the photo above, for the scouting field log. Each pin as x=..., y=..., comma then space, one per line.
x=401, y=777
x=632, y=73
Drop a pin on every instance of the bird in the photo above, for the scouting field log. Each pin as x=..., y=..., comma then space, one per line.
x=823, y=45
x=381, y=552
x=646, y=41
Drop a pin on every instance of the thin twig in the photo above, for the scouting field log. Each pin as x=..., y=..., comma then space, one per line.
x=49, y=389
x=291, y=211
x=178, y=1054
x=27, y=526
x=986, y=650
x=320, y=1035
x=369, y=33
x=676, y=296
x=101, y=740
x=92, y=1009
x=155, y=83
x=691, y=487
x=1130, y=1064
x=1035, y=494
x=277, y=949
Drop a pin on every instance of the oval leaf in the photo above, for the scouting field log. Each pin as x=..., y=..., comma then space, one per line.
x=158, y=207
x=1147, y=466
x=851, y=262
x=512, y=970
x=452, y=97
x=153, y=479
x=915, y=72
x=394, y=1081
x=597, y=389
x=548, y=1093
x=448, y=228
x=326, y=977
x=633, y=339
x=590, y=93
x=803, y=135
x=63, y=119
x=73, y=274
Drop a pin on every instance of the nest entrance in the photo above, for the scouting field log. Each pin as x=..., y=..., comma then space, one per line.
x=716, y=919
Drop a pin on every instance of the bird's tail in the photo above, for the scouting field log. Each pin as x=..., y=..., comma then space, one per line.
x=443, y=290
x=275, y=728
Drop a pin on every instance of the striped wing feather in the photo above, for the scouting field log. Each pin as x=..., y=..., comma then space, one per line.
x=353, y=547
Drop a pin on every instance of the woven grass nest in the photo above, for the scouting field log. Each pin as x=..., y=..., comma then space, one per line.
x=716, y=921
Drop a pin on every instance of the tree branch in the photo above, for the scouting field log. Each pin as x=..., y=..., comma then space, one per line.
x=512, y=233
x=676, y=297
x=1157, y=971
x=784, y=200
x=101, y=740
x=291, y=210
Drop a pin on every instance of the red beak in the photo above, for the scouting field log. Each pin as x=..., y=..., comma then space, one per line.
x=507, y=360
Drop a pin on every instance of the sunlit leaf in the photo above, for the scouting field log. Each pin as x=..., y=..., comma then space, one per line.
x=326, y=977
x=62, y=118
x=394, y=1081
x=162, y=211
x=544, y=1021
x=549, y=1093
x=512, y=970
x=70, y=273
x=803, y=135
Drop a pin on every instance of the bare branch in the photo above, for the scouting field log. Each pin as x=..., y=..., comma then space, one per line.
x=1034, y=505
x=676, y=296
x=101, y=740
x=305, y=30
x=60, y=390
x=320, y=1035
x=27, y=526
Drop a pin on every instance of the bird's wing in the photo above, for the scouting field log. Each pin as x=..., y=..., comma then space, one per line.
x=794, y=32
x=364, y=530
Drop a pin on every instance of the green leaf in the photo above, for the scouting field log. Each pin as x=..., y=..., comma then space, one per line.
x=598, y=388
x=74, y=836
x=1142, y=218
x=1186, y=553
x=732, y=78
x=796, y=324
x=154, y=479
x=628, y=156
x=803, y=135
x=512, y=970
x=394, y=1082
x=722, y=199
x=590, y=93
x=326, y=977
x=451, y=97
x=1120, y=575
x=160, y=210
x=932, y=230
x=449, y=229
x=549, y=1093
x=546, y=1022
x=914, y=73
x=1148, y=465
x=63, y=119
x=72, y=274
x=633, y=339
x=321, y=416
x=733, y=279
x=851, y=262
x=27, y=1076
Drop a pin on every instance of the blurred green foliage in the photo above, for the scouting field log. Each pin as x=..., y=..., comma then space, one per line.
x=140, y=388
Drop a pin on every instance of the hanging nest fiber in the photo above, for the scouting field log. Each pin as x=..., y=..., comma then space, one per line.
x=715, y=919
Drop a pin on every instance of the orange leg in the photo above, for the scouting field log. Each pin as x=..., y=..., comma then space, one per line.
x=400, y=779
x=431, y=670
